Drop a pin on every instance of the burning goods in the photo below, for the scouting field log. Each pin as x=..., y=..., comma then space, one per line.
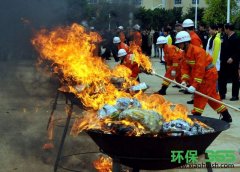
x=186, y=128
x=117, y=102
x=127, y=117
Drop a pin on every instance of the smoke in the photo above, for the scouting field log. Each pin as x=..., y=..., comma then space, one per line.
x=20, y=18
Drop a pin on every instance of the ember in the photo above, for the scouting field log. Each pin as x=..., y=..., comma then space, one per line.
x=103, y=164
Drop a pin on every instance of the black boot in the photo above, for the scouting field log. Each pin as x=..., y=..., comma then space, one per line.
x=196, y=114
x=226, y=116
x=162, y=91
x=190, y=102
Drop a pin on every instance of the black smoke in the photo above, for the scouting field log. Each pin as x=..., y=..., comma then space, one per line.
x=19, y=19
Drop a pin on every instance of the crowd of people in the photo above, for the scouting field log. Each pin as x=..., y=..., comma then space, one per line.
x=204, y=60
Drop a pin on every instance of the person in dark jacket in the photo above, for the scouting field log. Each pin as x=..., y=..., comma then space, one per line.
x=155, y=37
x=229, y=63
x=203, y=34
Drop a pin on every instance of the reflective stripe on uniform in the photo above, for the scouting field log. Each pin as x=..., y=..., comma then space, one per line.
x=192, y=62
x=198, y=80
x=220, y=108
x=198, y=110
x=175, y=64
x=209, y=66
x=165, y=83
x=185, y=76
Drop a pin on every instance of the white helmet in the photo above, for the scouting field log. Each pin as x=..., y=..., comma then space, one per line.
x=187, y=23
x=161, y=40
x=116, y=40
x=136, y=27
x=182, y=36
x=120, y=27
x=122, y=52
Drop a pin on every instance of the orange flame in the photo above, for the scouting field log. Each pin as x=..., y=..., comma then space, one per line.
x=71, y=51
x=90, y=121
x=168, y=110
x=141, y=59
x=103, y=164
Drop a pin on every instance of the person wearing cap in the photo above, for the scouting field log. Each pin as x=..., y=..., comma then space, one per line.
x=188, y=26
x=173, y=56
x=137, y=37
x=121, y=34
x=120, y=45
x=128, y=61
x=198, y=68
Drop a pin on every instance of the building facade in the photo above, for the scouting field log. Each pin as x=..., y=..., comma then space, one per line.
x=170, y=4
x=134, y=2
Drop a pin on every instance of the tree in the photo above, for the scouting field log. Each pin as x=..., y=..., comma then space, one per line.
x=76, y=10
x=216, y=11
x=158, y=18
x=191, y=14
x=145, y=17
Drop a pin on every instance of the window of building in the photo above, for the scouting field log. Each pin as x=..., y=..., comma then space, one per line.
x=194, y=1
x=178, y=2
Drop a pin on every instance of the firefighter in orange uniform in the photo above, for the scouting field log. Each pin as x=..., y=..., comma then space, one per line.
x=173, y=56
x=137, y=37
x=128, y=61
x=197, y=67
x=188, y=26
x=120, y=45
x=121, y=34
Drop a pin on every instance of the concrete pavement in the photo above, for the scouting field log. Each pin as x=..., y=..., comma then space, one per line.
x=26, y=101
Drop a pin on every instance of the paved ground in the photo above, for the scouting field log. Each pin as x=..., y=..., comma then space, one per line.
x=26, y=102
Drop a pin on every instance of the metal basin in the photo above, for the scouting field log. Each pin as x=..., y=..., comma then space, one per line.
x=154, y=153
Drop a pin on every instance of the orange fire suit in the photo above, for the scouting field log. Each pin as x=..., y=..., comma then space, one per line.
x=173, y=56
x=197, y=67
x=122, y=36
x=137, y=38
x=124, y=46
x=129, y=62
x=195, y=40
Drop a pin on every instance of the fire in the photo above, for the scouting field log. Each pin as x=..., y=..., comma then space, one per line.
x=71, y=49
x=89, y=121
x=103, y=164
x=141, y=58
x=169, y=110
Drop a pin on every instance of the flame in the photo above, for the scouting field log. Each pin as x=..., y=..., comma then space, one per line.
x=103, y=164
x=168, y=110
x=201, y=123
x=70, y=50
x=141, y=59
x=89, y=121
